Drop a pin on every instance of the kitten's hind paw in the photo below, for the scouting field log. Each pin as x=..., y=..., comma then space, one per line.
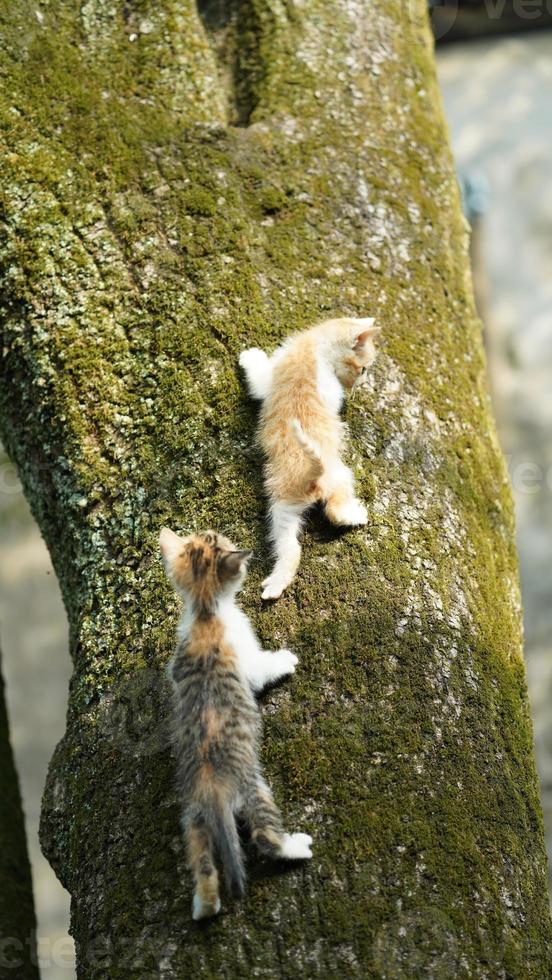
x=351, y=514
x=204, y=910
x=273, y=586
x=296, y=847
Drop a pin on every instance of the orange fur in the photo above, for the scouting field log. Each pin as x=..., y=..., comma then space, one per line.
x=201, y=861
x=295, y=395
x=300, y=432
x=194, y=568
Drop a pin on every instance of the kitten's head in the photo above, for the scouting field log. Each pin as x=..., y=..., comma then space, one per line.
x=203, y=566
x=353, y=348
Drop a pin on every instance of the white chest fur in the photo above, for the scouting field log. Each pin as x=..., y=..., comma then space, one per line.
x=239, y=633
x=329, y=388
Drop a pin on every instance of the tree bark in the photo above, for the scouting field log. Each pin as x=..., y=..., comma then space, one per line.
x=17, y=916
x=181, y=182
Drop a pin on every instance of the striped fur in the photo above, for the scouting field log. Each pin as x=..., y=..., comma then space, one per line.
x=216, y=722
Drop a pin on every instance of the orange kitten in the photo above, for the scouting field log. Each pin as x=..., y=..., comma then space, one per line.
x=301, y=387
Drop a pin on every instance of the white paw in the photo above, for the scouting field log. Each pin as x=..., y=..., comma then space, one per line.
x=274, y=585
x=296, y=847
x=250, y=358
x=287, y=661
x=352, y=514
x=204, y=910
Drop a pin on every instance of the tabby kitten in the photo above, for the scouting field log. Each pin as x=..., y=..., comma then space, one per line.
x=217, y=668
x=301, y=387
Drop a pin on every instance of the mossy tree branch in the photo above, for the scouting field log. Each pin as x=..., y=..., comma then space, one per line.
x=180, y=183
x=18, y=956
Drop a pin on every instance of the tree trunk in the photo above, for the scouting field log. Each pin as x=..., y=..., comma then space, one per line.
x=17, y=916
x=182, y=182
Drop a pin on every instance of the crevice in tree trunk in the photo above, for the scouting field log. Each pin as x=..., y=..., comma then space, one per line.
x=234, y=28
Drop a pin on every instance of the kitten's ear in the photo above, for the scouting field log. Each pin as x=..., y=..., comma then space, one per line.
x=170, y=544
x=365, y=329
x=230, y=563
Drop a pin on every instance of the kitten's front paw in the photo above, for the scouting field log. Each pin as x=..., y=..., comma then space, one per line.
x=204, y=910
x=296, y=847
x=287, y=661
x=273, y=586
x=352, y=514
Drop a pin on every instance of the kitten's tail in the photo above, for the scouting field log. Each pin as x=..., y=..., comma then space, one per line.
x=222, y=824
x=310, y=447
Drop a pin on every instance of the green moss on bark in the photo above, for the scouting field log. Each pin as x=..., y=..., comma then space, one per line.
x=144, y=243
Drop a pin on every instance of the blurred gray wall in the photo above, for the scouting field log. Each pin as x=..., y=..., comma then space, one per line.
x=498, y=101
x=33, y=630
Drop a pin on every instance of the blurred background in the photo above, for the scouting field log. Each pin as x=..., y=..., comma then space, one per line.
x=497, y=91
x=495, y=68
